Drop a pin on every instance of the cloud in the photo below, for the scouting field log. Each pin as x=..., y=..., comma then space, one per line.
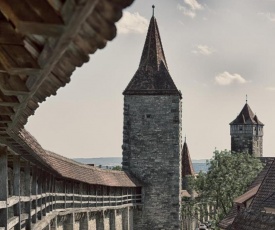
x=189, y=8
x=132, y=23
x=270, y=88
x=204, y=50
x=226, y=78
x=193, y=4
x=187, y=12
x=268, y=15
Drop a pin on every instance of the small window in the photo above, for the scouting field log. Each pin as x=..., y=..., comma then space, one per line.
x=241, y=128
x=148, y=115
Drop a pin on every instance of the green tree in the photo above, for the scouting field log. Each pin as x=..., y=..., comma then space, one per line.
x=118, y=168
x=229, y=175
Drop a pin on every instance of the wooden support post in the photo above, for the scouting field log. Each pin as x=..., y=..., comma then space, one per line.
x=44, y=183
x=125, y=219
x=89, y=193
x=84, y=222
x=109, y=194
x=27, y=175
x=54, y=224
x=102, y=195
x=65, y=192
x=34, y=193
x=81, y=193
x=122, y=198
x=53, y=191
x=96, y=195
x=70, y=223
x=73, y=194
x=16, y=189
x=100, y=220
x=4, y=186
x=112, y=219
x=39, y=192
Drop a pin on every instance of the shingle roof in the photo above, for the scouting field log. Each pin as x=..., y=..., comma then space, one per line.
x=246, y=116
x=253, y=220
x=187, y=166
x=68, y=168
x=264, y=197
x=229, y=218
x=152, y=76
x=89, y=174
x=252, y=191
x=247, y=195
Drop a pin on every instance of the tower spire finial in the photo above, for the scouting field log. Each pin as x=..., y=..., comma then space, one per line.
x=246, y=99
x=185, y=138
x=153, y=7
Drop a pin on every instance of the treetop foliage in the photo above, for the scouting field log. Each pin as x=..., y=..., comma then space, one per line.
x=229, y=176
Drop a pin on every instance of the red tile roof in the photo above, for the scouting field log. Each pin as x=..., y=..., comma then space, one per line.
x=88, y=174
x=71, y=169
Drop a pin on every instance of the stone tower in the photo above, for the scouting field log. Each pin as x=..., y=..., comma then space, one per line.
x=152, y=137
x=247, y=133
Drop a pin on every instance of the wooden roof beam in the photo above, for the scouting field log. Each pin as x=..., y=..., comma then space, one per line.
x=5, y=110
x=33, y=17
x=16, y=59
x=12, y=85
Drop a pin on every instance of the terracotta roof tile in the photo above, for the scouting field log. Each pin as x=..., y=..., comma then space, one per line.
x=73, y=170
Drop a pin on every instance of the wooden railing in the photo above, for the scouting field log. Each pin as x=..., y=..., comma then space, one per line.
x=28, y=194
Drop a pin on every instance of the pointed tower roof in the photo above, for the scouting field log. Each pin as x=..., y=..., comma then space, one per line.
x=187, y=166
x=246, y=116
x=152, y=76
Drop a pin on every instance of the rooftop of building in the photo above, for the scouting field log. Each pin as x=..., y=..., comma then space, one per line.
x=152, y=76
x=246, y=116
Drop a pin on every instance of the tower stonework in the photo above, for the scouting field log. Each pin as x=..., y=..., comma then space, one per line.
x=247, y=133
x=152, y=137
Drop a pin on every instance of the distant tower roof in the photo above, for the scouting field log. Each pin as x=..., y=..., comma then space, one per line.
x=187, y=166
x=152, y=76
x=246, y=116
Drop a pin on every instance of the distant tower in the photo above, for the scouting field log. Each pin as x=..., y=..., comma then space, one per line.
x=247, y=133
x=152, y=137
x=187, y=167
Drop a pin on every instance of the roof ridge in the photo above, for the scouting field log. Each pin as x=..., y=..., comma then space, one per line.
x=68, y=160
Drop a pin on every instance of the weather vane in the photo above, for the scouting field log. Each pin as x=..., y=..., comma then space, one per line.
x=153, y=6
x=246, y=98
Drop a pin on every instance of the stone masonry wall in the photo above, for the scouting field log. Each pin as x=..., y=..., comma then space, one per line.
x=151, y=152
x=247, y=143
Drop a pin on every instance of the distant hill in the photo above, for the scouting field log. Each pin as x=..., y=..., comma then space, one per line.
x=105, y=161
x=199, y=165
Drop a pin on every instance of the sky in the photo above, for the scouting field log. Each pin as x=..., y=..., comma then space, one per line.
x=218, y=51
